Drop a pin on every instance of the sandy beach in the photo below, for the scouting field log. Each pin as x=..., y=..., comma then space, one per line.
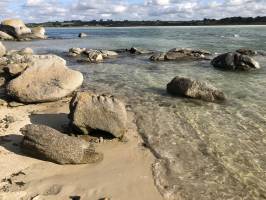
x=125, y=172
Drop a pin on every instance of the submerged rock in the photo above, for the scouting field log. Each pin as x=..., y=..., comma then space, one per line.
x=49, y=144
x=98, y=112
x=46, y=79
x=182, y=86
x=77, y=51
x=181, y=54
x=235, y=61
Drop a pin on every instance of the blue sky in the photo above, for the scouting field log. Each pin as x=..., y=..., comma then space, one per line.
x=48, y=10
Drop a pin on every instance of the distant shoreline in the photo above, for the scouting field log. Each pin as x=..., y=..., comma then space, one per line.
x=233, y=21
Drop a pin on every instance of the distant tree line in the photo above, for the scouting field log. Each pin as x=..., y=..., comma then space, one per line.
x=127, y=23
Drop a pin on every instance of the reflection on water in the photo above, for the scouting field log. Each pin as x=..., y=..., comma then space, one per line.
x=204, y=150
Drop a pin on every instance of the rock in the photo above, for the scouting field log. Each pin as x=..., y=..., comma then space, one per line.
x=15, y=69
x=91, y=111
x=81, y=35
x=2, y=49
x=194, y=89
x=45, y=79
x=235, y=61
x=135, y=50
x=247, y=52
x=93, y=56
x=38, y=33
x=5, y=36
x=2, y=81
x=77, y=51
x=26, y=51
x=3, y=102
x=49, y=144
x=15, y=104
x=158, y=57
x=14, y=27
x=3, y=62
x=108, y=54
x=182, y=53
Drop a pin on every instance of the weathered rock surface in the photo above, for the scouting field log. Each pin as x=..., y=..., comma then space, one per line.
x=98, y=112
x=182, y=86
x=46, y=79
x=38, y=33
x=93, y=56
x=181, y=54
x=2, y=49
x=5, y=36
x=49, y=144
x=81, y=35
x=135, y=50
x=247, y=52
x=108, y=54
x=26, y=51
x=235, y=61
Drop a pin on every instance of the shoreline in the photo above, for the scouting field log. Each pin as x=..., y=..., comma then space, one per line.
x=125, y=172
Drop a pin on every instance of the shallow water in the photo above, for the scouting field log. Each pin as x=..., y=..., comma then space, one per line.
x=204, y=150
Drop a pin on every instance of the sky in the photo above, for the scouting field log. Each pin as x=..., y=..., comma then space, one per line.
x=60, y=10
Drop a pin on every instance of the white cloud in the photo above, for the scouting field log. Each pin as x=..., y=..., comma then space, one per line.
x=47, y=10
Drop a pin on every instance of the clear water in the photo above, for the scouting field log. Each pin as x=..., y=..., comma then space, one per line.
x=205, y=151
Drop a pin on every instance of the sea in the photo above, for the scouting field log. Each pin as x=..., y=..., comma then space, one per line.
x=203, y=150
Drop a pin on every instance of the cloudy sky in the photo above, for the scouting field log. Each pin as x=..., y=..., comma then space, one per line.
x=51, y=10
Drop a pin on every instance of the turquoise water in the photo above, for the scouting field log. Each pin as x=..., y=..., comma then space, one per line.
x=204, y=150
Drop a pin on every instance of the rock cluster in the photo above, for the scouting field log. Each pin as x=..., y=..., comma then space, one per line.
x=187, y=87
x=46, y=143
x=98, y=112
x=15, y=29
x=235, y=61
x=91, y=55
x=33, y=78
x=178, y=54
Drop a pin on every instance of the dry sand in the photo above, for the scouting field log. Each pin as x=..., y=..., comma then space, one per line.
x=125, y=172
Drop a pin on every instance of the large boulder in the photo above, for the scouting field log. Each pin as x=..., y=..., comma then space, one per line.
x=2, y=49
x=187, y=87
x=49, y=144
x=98, y=112
x=14, y=27
x=235, y=61
x=46, y=79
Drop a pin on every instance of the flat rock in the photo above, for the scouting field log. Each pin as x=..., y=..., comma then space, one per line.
x=235, y=61
x=45, y=79
x=187, y=87
x=49, y=144
x=183, y=53
x=98, y=112
x=108, y=54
